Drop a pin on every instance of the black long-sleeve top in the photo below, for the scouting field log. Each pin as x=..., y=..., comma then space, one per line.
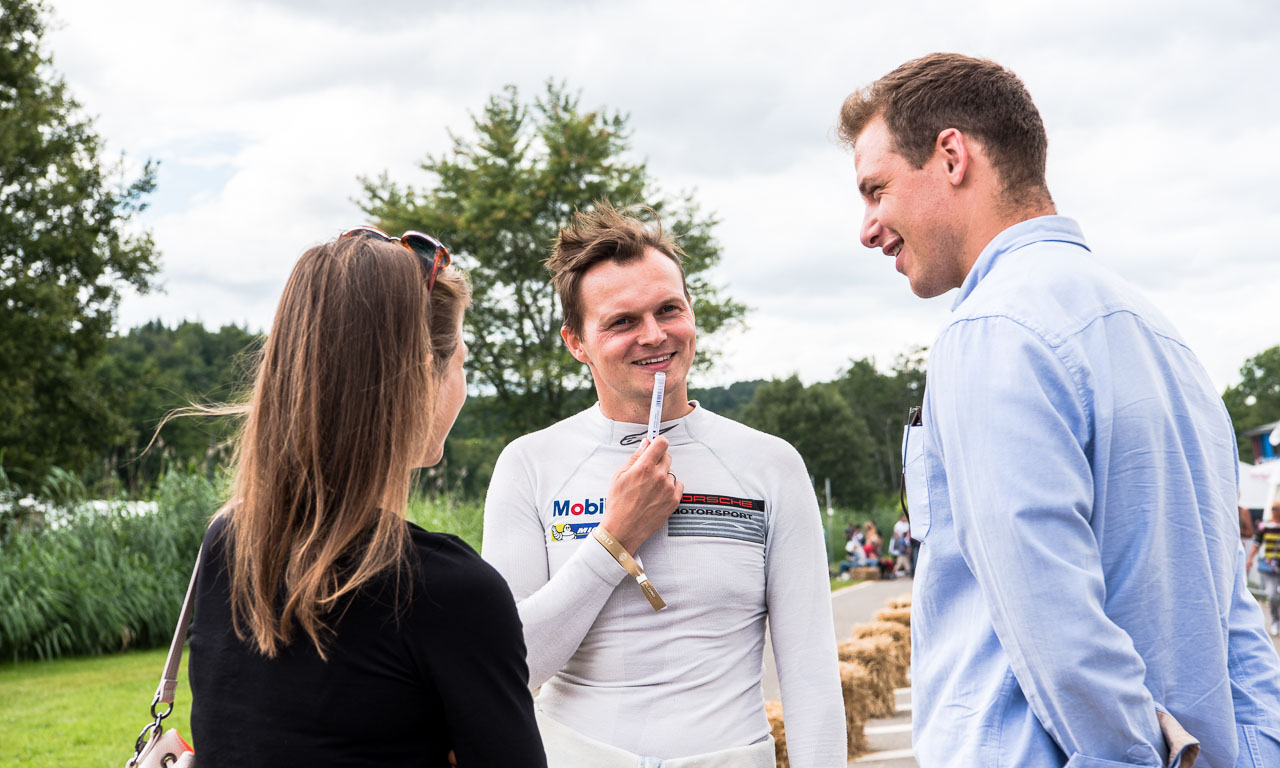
x=401, y=687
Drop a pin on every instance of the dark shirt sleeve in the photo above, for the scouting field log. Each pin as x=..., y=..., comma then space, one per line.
x=475, y=654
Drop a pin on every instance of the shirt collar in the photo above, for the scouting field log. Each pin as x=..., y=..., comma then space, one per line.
x=630, y=435
x=1040, y=229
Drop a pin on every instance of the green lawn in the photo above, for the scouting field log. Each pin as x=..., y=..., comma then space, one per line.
x=82, y=711
x=842, y=583
x=88, y=710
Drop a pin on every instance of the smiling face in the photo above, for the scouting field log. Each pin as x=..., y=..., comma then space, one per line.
x=636, y=322
x=912, y=213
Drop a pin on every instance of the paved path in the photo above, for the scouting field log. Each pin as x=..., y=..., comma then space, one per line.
x=890, y=738
x=1256, y=589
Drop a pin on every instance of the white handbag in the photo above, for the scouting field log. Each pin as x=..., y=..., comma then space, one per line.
x=156, y=747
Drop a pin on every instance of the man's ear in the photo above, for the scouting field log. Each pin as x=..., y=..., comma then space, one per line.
x=954, y=149
x=574, y=343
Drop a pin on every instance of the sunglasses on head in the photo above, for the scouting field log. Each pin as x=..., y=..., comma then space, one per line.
x=429, y=249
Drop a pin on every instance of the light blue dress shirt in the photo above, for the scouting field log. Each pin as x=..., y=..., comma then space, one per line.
x=1074, y=484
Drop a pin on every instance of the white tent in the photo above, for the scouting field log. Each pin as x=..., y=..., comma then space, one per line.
x=1259, y=484
x=1259, y=487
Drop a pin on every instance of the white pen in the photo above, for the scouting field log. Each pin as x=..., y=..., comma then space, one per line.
x=655, y=405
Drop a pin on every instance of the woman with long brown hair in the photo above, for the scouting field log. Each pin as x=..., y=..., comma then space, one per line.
x=329, y=630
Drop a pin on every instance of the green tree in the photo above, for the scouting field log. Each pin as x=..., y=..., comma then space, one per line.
x=498, y=198
x=1256, y=399
x=65, y=253
x=881, y=401
x=727, y=401
x=828, y=434
x=154, y=369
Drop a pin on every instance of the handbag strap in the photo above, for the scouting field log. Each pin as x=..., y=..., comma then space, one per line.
x=169, y=678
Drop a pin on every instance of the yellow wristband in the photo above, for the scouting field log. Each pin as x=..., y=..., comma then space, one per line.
x=632, y=567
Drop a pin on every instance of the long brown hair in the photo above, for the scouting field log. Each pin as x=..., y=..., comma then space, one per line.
x=339, y=416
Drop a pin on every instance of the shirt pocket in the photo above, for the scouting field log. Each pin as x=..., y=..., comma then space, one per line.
x=916, y=481
x=1259, y=746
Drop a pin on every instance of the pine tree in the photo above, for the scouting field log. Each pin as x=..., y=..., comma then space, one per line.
x=497, y=201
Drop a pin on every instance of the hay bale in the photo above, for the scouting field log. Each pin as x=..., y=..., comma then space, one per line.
x=773, y=710
x=865, y=573
x=901, y=639
x=857, y=687
x=900, y=615
x=901, y=602
x=883, y=663
x=899, y=632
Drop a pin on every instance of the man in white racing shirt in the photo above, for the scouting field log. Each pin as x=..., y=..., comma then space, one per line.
x=720, y=519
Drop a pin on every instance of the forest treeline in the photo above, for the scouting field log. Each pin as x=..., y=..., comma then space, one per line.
x=847, y=429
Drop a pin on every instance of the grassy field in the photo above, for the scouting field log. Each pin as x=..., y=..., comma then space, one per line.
x=88, y=710
x=464, y=519
x=82, y=711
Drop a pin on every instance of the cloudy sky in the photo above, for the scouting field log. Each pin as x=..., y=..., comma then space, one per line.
x=1162, y=119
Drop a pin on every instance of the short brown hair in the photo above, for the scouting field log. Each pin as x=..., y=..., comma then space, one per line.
x=978, y=97
x=603, y=233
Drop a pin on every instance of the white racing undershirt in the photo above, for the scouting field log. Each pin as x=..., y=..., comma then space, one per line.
x=746, y=543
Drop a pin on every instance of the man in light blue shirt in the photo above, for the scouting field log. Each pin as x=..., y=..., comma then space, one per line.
x=1079, y=596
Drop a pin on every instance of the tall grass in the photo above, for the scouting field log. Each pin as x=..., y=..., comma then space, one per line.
x=449, y=514
x=100, y=578
x=79, y=577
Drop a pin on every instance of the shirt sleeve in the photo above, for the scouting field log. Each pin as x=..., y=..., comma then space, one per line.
x=556, y=611
x=1254, y=671
x=798, y=597
x=477, y=663
x=1011, y=427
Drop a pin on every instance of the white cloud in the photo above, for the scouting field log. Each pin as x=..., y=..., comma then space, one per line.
x=263, y=114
